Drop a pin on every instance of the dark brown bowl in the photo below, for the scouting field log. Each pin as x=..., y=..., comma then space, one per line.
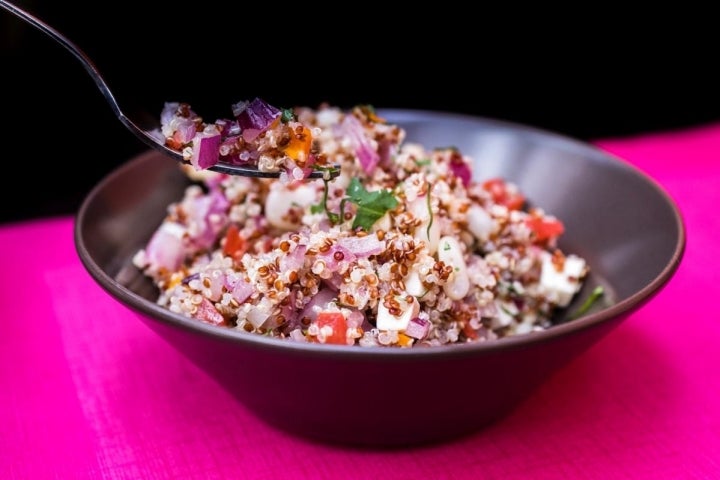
x=624, y=224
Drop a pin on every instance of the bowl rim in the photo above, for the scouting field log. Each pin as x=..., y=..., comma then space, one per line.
x=622, y=308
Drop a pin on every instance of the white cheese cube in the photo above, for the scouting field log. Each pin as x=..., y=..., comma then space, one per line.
x=388, y=321
x=560, y=286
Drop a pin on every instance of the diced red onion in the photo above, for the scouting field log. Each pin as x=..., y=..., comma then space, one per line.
x=239, y=107
x=257, y=316
x=334, y=283
x=461, y=169
x=254, y=117
x=185, y=130
x=165, y=248
x=294, y=260
x=298, y=336
x=288, y=312
x=335, y=255
x=207, y=215
x=242, y=290
x=365, y=151
x=208, y=313
x=320, y=300
x=417, y=328
x=363, y=246
x=206, y=149
x=227, y=127
x=355, y=319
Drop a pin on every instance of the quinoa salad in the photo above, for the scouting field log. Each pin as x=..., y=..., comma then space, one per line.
x=404, y=248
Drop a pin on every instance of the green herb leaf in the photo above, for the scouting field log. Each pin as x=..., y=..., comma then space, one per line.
x=596, y=293
x=287, y=115
x=370, y=205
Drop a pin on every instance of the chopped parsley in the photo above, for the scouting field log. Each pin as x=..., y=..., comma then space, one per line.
x=370, y=205
x=287, y=115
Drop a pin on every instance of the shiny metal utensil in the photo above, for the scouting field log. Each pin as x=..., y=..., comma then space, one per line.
x=140, y=123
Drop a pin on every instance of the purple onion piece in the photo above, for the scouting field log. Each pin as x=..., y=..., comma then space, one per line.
x=228, y=128
x=417, y=328
x=166, y=248
x=255, y=116
x=190, y=278
x=362, y=246
x=185, y=130
x=206, y=150
x=365, y=151
x=207, y=313
x=461, y=170
x=242, y=290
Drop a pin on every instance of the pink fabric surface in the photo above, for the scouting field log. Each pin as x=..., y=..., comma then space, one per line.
x=89, y=392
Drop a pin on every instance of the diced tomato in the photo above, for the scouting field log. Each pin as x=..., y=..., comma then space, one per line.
x=234, y=244
x=469, y=331
x=545, y=228
x=503, y=195
x=336, y=321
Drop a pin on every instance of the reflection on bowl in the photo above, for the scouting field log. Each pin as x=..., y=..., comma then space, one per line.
x=618, y=219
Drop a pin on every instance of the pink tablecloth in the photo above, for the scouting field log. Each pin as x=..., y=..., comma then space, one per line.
x=87, y=391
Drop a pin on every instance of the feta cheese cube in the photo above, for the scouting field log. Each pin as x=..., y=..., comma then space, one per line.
x=559, y=286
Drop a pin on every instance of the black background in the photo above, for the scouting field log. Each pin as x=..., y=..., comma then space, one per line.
x=560, y=73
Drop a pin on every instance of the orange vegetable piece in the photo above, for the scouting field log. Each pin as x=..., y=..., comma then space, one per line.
x=300, y=142
x=404, y=340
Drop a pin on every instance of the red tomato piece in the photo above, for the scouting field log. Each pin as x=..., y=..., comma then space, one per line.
x=545, y=228
x=469, y=332
x=503, y=195
x=234, y=245
x=336, y=321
